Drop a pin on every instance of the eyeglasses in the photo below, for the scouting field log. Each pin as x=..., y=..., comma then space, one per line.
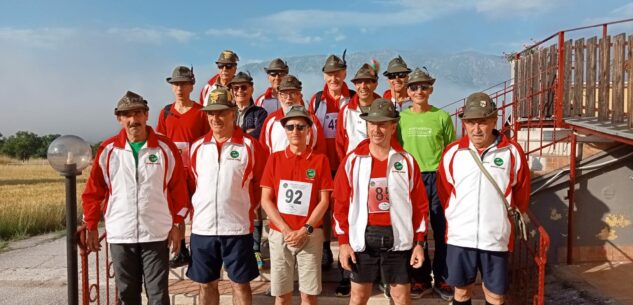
x=277, y=73
x=416, y=87
x=239, y=87
x=291, y=127
x=227, y=66
x=398, y=75
x=289, y=94
x=365, y=81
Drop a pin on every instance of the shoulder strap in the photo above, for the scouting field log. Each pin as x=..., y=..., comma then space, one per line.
x=317, y=100
x=166, y=111
x=514, y=214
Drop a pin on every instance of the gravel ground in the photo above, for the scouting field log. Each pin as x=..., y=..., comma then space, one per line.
x=560, y=291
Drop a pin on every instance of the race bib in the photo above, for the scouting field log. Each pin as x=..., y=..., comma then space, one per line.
x=378, y=201
x=183, y=148
x=329, y=127
x=294, y=197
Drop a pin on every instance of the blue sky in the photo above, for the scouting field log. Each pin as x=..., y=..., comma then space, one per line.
x=66, y=63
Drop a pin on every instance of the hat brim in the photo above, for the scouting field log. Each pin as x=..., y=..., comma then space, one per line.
x=332, y=69
x=480, y=115
x=378, y=119
x=280, y=88
x=275, y=70
x=172, y=80
x=215, y=107
x=298, y=116
x=397, y=70
x=117, y=111
x=355, y=79
x=426, y=81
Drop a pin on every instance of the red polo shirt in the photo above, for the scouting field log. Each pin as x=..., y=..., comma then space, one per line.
x=183, y=128
x=296, y=182
x=378, y=205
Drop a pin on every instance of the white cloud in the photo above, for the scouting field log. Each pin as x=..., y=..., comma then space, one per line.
x=39, y=37
x=335, y=34
x=238, y=33
x=151, y=35
x=508, y=8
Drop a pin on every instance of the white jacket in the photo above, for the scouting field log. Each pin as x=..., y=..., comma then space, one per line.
x=226, y=184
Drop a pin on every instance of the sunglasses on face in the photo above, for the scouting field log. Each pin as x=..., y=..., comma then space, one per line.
x=417, y=87
x=397, y=75
x=291, y=127
x=277, y=73
x=239, y=87
x=227, y=66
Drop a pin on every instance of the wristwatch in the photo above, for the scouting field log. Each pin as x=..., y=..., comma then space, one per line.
x=308, y=228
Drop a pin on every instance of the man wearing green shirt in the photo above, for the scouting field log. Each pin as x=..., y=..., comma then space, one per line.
x=424, y=131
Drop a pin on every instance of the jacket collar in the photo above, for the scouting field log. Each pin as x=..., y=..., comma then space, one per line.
x=152, y=139
x=501, y=140
x=363, y=147
x=354, y=104
x=306, y=153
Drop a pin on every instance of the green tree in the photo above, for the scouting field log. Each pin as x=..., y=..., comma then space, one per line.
x=45, y=141
x=2, y=139
x=23, y=145
x=94, y=148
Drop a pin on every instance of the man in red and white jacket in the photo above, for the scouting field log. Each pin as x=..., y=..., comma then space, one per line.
x=479, y=232
x=350, y=128
x=397, y=74
x=226, y=167
x=273, y=137
x=268, y=100
x=380, y=209
x=227, y=68
x=139, y=178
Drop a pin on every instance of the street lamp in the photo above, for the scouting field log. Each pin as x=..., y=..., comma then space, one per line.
x=69, y=155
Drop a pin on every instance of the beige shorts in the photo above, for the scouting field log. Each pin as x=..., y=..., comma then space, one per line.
x=307, y=259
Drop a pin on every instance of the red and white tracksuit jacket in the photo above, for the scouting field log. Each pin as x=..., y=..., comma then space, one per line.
x=350, y=128
x=274, y=139
x=407, y=195
x=476, y=216
x=327, y=115
x=267, y=101
x=211, y=85
x=399, y=106
x=141, y=202
x=226, y=184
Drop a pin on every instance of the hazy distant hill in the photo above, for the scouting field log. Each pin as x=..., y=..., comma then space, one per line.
x=461, y=72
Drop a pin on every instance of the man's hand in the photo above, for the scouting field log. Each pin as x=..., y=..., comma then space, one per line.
x=345, y=253
x=173, y=240
x=296, y=238
x=417, y=257
x=92, y=240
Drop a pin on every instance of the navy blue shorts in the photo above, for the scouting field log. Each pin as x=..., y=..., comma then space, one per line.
x=463, y=264
x=208, y=253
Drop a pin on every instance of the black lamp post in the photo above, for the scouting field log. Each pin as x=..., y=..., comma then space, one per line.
x=69, y=155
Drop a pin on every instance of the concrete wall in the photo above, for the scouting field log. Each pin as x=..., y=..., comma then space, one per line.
x=603, y=216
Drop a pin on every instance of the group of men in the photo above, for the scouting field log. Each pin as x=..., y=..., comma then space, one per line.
x=372, y=171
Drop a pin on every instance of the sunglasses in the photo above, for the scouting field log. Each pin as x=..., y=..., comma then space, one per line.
x=239, y=87
x=398, y=75
x=277, y=73
x=228, y=66
x=291, y=127
x=417, y=87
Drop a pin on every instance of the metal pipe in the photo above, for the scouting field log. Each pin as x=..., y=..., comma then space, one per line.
x=71, y=233
x=570, y=198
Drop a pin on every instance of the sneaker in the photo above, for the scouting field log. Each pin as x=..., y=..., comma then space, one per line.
x=418, y=290
x=328, y=258
x=260, y=260
x=385, y=290
x=344, y=288
x=180, y=260
x=444, y=291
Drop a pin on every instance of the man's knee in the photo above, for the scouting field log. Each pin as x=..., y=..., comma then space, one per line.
x=463, y=293
x=400, y=293
x=493, y=298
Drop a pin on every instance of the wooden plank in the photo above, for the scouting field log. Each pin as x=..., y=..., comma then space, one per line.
x=629, y=70
x=523, y=86
x=552, y=68
x=604, y=78
x=535, y=85
x=515, y=90
x=590, y=104
x=520, y=85
x=579, y=63
x=617, y=104
x=542, y=97
x=567, y=79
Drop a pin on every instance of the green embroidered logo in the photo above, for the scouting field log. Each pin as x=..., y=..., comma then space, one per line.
x=498, y=161
x=235, y=154
x=398, y=165
x=153, y=158
x=310, y=173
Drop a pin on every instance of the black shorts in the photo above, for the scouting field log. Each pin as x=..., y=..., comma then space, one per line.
x=378, y=261
x=208, y=253
x=463, y=264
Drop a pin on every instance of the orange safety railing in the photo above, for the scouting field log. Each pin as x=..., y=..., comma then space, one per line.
x=101, y=289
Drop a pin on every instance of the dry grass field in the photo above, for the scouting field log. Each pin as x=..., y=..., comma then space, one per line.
x=32, y=198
